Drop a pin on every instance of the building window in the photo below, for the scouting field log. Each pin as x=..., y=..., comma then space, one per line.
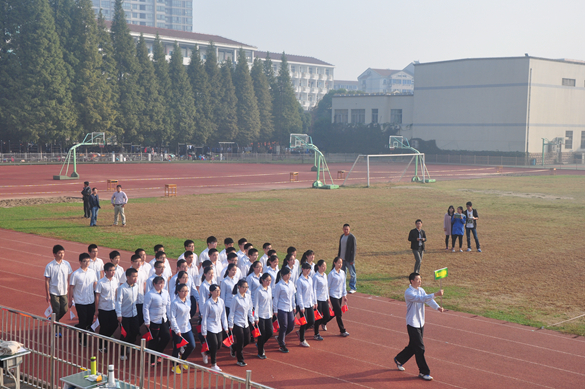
x=582, y=140
x=396, y=116
x=340, y=116
x=375, y=115
x=358, y=116
x=569, y=140
x=568, y=82
x=293, y=68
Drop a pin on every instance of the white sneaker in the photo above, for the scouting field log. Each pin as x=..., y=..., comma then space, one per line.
x=345, y=334
x=205, y=358
x=425, y=377
x=323, y=327
x=453, y=250
x=469, y=249
x=216, y=368
x=460, y=250
x=305, y=344
x=351, y=291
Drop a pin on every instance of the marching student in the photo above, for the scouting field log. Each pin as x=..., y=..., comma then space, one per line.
x=293, y=252
x=161, y=256
x=227, y=243
x=227, y=285
x=204, y=256
x=263, y=312
x=272, y=269
x=253, y=278
x=189, y=257
x=126, y=310
x=215, y=264
x=181, y=266
x=241, y=312
x=306, y=301
x=56, y=280
x=232, y=258
x=291, y=263
x=157, y=305
x=308, y=257
x=158, y=272
x=266, y=266
x=213, y=324
x=115, y=260
x=141, y=282
x=144, y=265
x=182, y=277
x=83, y=282
x=189, y=247
x=206, y=282
x=266, y=247
x=245, y=261
x=241, y=243
x=321, y=289
x=337, y=292
x=95, y=263
x=105, y=303
x=283, y=303
x=181, y=326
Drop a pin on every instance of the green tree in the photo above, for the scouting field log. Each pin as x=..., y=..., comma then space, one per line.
x=201, y=93
x=269, y=73
x=214, y=79
x=227, y=114
x=285, y=109
x=63, y=13
x=130, y=104
x=161, y=69
x=35, y=94
x=264, y=99
x=92, y=93
x=247, y=105
x=108, y=68
x=182, y=103
x=151, y=118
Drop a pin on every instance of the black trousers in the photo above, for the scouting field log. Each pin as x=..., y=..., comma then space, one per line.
x=108, y=323
x=415, y=347
x=86, y=207
x=336, y=305
x=447, y=241
x=85, y=314
x=160, y=337
x=266, y=332
x=310, y=316
x=323, y=308
x=454, y=239
x=241, y=340
x=214, y=344
x=132, y=327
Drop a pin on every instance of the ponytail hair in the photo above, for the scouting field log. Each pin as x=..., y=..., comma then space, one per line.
x=305, y=256
x=179, y=287
x=239, y=285
x=177, y=282
x=282, y=272
x=230, y=267
x=306, y=265
x=212, y=288
x=263, y=277
x=335, y=260
x=205, y=271
x=271, y=259
x=318, y=265
x=251, y=269
x=287, y=258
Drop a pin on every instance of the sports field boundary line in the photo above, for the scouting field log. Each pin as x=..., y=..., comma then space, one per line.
x=564, y=321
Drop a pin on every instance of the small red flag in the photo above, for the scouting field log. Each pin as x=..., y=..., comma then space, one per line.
x=331, y=312
x=318, y=315
x=182, y=343
x=303, y=320
x=344, y=308
x=229, y=341
x=204, y=347
x=276, y=326
x=123, y=331
x=256, y=332
x=297, y=321
x=147, y=336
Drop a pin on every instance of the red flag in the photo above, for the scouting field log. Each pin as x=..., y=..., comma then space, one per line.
x=331, y=312
x=122, y=330
x=297, y=321
x=303, y=320
x=344, y=308
x=229, y=341
x=275, y=326
x=198, y=328
x=204, y=347
x=147, y=336
x=256, y=332
x=318, y=315
x=182, y=343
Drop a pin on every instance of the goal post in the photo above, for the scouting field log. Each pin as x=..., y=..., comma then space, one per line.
x=384, y=168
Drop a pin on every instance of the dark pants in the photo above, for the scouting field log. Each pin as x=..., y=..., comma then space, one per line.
x=132, y=327
x=266, y=332
x=415, y=347
x=59, y=305
x=160, y=337
x=310, y=316
x=188, y=336
x=140, y=312
x=214, y=344
x=86, y=207
x=108, y=323
x=336, y=305
x=323, y=308
x=85, y=314
x=447, y=241
x=241, y=340
x=454, y=239
x=286, y=321
x=468, y=233
x=193, y=306
x=418, y=256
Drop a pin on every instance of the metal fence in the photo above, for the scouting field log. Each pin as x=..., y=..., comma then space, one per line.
x=57, y=351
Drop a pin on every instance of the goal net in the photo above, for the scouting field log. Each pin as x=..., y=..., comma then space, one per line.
x=385, y=168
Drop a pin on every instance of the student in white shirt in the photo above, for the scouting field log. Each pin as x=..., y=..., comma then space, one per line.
x=144, y=265
x=232, y=258
x=283, y=303
x=83, y=281
x=306, y=301
x=213, y=324
x=157, y=307
x=206, y=282
x=321, y=288
x=105, y=302
x=264, y=312
x=290, y=263
x=266, y=266
x=241, y=312
x=337, y=292
x=227, y=243
x=115, y=260
x=241, y=244
x=253, y=278
x=158, y=272
x=189, y=246
x=95, y=263
x=189, y=257
x=245, y=261
x=266, y=247
x=141, y=278
x=161, y=256
x=126, y=310
x=227, y=285
x=182, y=277
x=181, y=326
x=215, y=264
x=272, y=269
x=308, y=257
x=204, y=256
x=56, y=281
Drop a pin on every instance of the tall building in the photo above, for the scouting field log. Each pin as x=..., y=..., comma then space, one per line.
x=350, y=86
x=311, y=77
x=171, y=14
x=387, y=81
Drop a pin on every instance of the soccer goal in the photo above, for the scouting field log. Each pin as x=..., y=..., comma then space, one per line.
x=384, y=168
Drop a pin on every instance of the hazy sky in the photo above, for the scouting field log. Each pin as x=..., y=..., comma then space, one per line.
x=354, y=35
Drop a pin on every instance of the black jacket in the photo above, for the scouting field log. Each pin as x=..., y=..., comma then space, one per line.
x=412, y=238
x=86, y=192
x=474, y=215
x=350, y=248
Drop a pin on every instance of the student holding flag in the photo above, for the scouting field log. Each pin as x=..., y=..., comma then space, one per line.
x=416, y=298
x=157, y=304
x=306, y=301
x=241, y=312
x=321, y=290
x=337, y=292
x=182, y=333
x=283, y=303
x=263, y=312
x=213, y=323
x=105, y=302
x=126, y=309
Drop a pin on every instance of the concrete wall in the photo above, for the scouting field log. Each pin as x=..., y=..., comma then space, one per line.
x=384, y=104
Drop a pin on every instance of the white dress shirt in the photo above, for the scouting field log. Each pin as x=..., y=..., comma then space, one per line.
x=253, y=284
x=97, y=266
x=140, y=281
x=227, y=286
x=263, y=303
x=241, y=311
x=337, y=288
x=57, y=274
x=83, y=283
x=119, y=198
x=203, y=292
x=244, y=265
x=223, y=258
x=284, y=296
x=149, y=284
x=203, y=257
x=217, y=270
x=415, y=305
x=126, y=300
x=107, y=291
x=119, y=272
x=305, y=293
x=194, y=275
x=321, y=287
x=273, y=275
x=213, y=317
x=156, y=306
x=180, y=315
x=167, y=272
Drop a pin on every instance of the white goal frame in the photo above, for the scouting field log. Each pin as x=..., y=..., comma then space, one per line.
x=422, y=168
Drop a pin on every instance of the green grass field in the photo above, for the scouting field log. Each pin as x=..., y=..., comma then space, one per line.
x=531, y=271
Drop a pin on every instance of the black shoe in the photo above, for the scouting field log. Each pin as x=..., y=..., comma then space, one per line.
x=232, y=353
x=283, y=349
x=261, y=356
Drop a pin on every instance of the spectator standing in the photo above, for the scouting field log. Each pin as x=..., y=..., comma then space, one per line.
x=94, y=205
x=417, y=238
x=347, y=251
x=447, y=223
x=119, y=201
x=471, y=226
x=86, y=192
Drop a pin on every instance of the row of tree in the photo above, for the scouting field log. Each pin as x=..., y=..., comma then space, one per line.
x=63, y=74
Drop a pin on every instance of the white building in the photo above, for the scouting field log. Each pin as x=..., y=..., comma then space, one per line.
x=373, y=108
x=311, y=77
x=493, y=104
x=387, y=81
x=350, y=86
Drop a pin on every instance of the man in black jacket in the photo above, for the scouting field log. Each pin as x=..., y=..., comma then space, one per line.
x=471, y=226
x=417, y=238
x=347, y=249
x=86, y=192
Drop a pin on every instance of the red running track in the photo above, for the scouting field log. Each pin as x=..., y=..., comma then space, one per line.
x=463, y=350
x=148, y=180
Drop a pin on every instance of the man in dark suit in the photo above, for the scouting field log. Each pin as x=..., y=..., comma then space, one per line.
x=347, y=249
x=417, y=239
x=86, y=192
